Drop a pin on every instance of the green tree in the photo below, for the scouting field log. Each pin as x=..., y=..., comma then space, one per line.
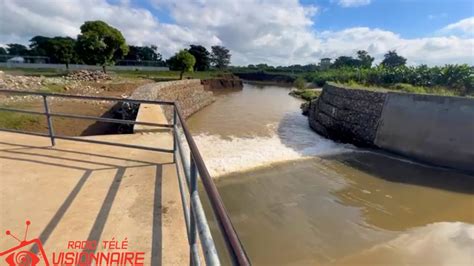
x=17, y=49
x=40, y=46
x=182, y=61
x=345, y=61
x=365, y=60
x=3, y=51
x=299, y=83
x=143, y=53
x=203, y=57
x=220, y=57
x=63, y=49
x=100, y=44
x=392, y=59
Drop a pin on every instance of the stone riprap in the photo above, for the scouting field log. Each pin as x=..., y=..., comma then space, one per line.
x=435, y=129
x=222, y=83
x=189, y=94
x=88, y=75
x=347, y=115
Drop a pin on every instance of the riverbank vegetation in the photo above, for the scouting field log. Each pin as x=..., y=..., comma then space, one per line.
x=392, y=73
x=449, y=79
x=306, y=94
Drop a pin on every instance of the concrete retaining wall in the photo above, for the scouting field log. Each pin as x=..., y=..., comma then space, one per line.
x=434, y=129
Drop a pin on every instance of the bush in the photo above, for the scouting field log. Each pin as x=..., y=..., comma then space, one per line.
x=299, y=83
x=306, y=94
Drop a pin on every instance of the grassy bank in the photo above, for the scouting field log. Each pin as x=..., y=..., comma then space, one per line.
x=129, y=74
x=402, y=87
x=165, y=75
x=306, y=94
x=17, y=121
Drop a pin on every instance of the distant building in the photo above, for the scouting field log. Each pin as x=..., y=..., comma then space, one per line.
x=325, y=63
x=16, y=60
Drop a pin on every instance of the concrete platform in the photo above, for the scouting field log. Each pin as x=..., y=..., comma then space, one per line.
x=81, y=191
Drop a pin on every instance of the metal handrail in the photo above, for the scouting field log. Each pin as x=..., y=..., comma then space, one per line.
x=196, y=221
x=234, y=246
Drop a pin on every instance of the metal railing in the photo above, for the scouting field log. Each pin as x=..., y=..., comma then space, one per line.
x=192, y=166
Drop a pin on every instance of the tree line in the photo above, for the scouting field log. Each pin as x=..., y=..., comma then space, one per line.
x=391, y=72
x=101, y=44
x=362, y=60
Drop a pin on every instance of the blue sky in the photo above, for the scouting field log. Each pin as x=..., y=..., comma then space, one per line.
x=409, y=18
x=276, y=32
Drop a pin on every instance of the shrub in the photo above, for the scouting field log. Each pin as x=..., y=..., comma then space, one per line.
x=299, y=83
x=306, y=94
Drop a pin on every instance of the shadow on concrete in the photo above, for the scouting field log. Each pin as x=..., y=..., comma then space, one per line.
x=157, y=232
x=101, y=219
x=397, y=169
x=49, y=148
x=61, y=158
x=99, y=223
x=62, y=210
x=98, y=226
x=42, y=162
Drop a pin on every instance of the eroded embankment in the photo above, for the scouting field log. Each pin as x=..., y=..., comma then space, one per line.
x=434, y=129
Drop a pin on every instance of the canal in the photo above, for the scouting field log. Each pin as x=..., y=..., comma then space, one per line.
x=297, y=198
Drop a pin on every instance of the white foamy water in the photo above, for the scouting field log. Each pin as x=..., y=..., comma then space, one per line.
x=291, y=139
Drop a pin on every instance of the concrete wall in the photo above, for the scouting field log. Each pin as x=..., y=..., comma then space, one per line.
x=78, y=67
x=434, y=129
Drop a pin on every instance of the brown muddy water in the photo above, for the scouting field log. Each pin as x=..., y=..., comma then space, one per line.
x=296, y=198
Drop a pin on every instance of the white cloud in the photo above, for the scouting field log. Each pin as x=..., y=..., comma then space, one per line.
x=462, y=27
x=277, y=32
x=431, y=51
x=353, y=3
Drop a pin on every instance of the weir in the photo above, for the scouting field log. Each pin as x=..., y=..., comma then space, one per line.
x=171, y=146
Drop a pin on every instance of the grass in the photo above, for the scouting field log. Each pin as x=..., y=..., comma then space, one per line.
x=17, y=121
x=401, y=87
x=165, y=75
x=306, y=94
x=47, y=72
x=129, y=74
x=52, y=88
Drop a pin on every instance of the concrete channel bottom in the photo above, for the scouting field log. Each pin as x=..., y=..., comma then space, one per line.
x=117, y=203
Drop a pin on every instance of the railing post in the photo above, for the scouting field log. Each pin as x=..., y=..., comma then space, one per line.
x=192, y=232
x=50, y=121
x=175, y=133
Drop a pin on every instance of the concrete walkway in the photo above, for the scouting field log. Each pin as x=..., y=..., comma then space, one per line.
x=81, y=191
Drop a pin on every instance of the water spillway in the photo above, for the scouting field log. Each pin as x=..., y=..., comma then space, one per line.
x=298, y=198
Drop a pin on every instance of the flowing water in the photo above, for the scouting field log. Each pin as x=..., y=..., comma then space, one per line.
x=296, y=198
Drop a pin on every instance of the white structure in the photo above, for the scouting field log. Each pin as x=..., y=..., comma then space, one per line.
x=16, y=60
